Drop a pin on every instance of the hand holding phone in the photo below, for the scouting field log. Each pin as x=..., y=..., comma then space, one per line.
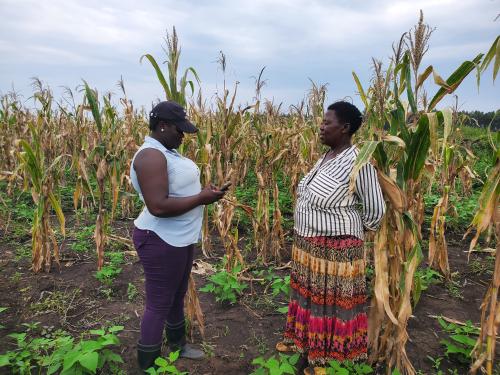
x=225, y=186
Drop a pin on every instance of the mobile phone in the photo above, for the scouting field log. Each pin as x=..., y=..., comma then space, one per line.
x=225, y=186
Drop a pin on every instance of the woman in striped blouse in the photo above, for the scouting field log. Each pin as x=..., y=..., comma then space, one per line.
x=327, y=313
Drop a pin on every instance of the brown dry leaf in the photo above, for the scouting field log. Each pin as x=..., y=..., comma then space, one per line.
x=201, y=267
x=381, y=288
x=101, y=170
x=392, y=192
x=193, y=307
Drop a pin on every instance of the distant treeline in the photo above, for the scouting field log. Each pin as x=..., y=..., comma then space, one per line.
x=483, y=119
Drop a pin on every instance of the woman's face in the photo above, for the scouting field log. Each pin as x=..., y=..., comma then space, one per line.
x=331, y=131
x=171, y=137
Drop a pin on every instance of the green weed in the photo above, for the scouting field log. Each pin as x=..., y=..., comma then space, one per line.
x=461, y=343
x=423, y=278
x=348, y=368
x=111, y=269
x=225, y=285
x=166, y=365
x=61, y=354
x=283, y=364
x=131, y=292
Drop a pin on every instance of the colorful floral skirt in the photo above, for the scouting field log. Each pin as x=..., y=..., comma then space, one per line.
x=327, y=313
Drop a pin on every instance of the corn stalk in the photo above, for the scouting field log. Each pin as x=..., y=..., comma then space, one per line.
x=43, y=179
x=488, y=214
x=400, y=144
x=174, y=89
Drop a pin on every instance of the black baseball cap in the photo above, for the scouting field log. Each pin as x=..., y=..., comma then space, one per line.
x=172, y=113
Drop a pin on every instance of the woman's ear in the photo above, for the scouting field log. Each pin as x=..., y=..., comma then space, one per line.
x=346, y=128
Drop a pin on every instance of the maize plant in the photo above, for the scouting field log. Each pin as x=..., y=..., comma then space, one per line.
x=174, y=89
x=412, y=146
x=488, y=215
x=108, y=158
x=42, y=178
x=10, y=117
x=400, y=142
x=453, y=158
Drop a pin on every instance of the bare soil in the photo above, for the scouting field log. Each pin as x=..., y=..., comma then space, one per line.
x=235, y=334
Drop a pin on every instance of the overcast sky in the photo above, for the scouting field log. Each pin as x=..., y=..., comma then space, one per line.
x=65, y=41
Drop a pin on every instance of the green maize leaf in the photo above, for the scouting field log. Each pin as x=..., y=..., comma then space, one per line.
x=54, y=164
x=32, y=165
x=494, y=52
x=363, y=157
x=59, y=213
x=159, y=74
x=447, y=118
x=191, y=85
x=360, y=90
x=415, y=254
x=422, y=77
x=497, y=60
x=407, y=73
x=192, y=70
x=416, y=151
x=417, y=290
x=448, y=156
x=381, y=156
x=433, y=124
x=398, y=123
x=94, y=105
x=454, y=80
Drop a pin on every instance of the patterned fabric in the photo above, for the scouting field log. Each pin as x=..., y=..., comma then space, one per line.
x=327, y=316
x=327, y=207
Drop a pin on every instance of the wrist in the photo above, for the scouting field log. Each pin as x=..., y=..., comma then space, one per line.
x=199, y=200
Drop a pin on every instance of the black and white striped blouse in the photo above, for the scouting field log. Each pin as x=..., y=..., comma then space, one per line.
x=326, y=207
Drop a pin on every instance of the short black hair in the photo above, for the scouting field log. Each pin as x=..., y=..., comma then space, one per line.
x=347, y=113
x=153, y=123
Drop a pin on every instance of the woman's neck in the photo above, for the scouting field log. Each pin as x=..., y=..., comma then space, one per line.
x=337, y=149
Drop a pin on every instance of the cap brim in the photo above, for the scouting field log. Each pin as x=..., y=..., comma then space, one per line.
x=186, y=126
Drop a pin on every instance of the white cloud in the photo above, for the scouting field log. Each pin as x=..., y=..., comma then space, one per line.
x=296, y=39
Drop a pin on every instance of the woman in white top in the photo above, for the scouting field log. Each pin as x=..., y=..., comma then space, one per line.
x=327, y=317
x=167, y=229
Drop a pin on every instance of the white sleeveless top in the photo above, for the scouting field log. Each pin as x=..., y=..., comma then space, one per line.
x=183, y=181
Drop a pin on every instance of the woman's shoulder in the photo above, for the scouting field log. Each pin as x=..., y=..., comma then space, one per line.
x=148, y=155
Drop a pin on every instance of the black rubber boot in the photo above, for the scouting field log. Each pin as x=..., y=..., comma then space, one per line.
x=176, y=338
x=176, y=335
x=146, y=355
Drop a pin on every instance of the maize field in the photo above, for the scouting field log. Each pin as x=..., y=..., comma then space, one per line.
x=69, y=270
